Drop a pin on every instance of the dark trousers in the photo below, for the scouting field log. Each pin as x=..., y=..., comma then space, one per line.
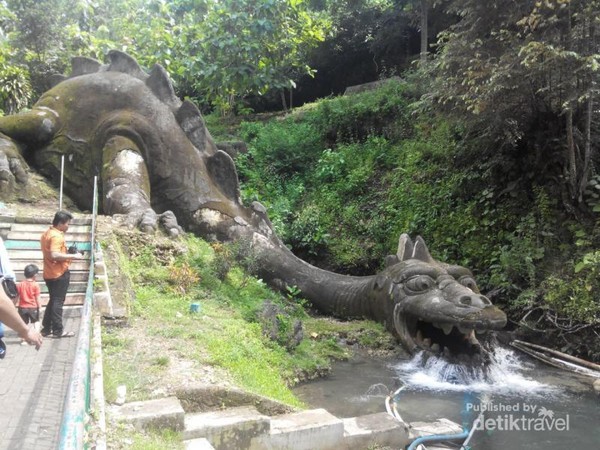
x=57, y=289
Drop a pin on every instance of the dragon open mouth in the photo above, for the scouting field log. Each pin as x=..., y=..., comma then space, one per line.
x=452, y=341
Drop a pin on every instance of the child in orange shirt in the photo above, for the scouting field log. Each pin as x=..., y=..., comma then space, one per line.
x=29, y=298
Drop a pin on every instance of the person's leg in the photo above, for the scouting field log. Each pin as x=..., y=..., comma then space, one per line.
x=24, y=314
x=58, y=297
x=46, y=321
x=35, y=319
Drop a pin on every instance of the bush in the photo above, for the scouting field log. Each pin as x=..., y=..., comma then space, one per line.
x=575, y=296
x=15, y=88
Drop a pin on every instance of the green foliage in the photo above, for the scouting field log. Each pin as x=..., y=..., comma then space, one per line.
x=285, y=147
x=15, y=88
x=522, y=77
x=384, y=112
x=250, y=46
x=313, y=169
x=575, y=296
x=37, y=35
x=515, y=265
x=218, y=51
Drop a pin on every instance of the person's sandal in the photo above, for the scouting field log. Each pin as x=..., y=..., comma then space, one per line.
x=65, y=334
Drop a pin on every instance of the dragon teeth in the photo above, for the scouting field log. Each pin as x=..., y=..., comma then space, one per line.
x=427, y=342
x=435, y=348
x=447, y=329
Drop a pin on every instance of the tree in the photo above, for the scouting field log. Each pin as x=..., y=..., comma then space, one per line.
x=38, y=36
x=15, y=88
x=524, y=74
x=250, y=46
x=562, y=49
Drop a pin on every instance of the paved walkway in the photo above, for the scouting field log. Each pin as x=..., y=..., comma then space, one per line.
x=33, y=387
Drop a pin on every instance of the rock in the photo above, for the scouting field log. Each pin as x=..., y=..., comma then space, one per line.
x=280, y=326
x=121, y=394
x=597, y=386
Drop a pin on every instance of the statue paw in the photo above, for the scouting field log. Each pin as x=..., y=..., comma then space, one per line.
x=149, y=222
x=13, y=168
x=169, y=223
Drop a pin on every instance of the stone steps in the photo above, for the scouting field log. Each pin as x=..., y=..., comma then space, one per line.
x=21, y=235
x=227, y=429
x=245, y=427
x=304, y=430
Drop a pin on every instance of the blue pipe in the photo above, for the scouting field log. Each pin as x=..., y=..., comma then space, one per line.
x=437, y=438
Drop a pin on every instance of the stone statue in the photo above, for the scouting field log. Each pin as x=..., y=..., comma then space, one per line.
x=158, y=164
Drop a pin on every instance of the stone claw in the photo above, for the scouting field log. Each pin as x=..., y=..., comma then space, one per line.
x=169, y=223
x=13, y=168
x=149, y=222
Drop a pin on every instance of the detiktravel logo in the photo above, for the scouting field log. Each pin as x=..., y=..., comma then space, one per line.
x=517, y=417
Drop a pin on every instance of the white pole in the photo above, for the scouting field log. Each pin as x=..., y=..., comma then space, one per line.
x=62, y=171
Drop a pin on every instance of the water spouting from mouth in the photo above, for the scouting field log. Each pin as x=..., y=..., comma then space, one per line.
x=505, y=374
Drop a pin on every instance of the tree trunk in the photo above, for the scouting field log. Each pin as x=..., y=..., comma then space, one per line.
x=571, y=157
x=424, y=30
x=587, y=157
x=283, y=103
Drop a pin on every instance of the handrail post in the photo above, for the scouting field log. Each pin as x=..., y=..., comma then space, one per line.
x=77, y=400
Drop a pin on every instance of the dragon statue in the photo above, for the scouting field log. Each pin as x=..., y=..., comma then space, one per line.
x=153, y=155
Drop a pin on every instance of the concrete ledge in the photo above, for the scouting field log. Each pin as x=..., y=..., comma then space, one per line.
x=163, y=413
x=227, y=429
x=306, y=430
x=204, y=398
x=440, y=426
x=198, y=444
x=380, y=428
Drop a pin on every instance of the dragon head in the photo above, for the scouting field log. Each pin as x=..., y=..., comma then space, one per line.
x=437, y=307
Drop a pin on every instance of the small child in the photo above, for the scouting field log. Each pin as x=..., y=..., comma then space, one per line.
x=29, y=298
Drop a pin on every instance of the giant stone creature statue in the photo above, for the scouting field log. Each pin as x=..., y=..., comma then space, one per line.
x=154, y=155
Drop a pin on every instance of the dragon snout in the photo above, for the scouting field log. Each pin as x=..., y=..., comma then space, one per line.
x=472, y=299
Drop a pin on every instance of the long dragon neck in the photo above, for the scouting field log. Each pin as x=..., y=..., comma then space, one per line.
x=332, y=293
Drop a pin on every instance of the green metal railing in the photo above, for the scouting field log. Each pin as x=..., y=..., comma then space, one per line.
x=77, y=401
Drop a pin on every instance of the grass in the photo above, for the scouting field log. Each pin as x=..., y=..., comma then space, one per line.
x=225, y=335
x=124, y=437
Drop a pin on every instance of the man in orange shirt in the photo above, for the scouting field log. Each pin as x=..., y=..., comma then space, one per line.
x=56, y=273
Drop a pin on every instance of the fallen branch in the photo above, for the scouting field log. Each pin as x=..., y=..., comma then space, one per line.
x=549, y=356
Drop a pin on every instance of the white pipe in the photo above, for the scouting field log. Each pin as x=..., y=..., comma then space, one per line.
x=62, y=171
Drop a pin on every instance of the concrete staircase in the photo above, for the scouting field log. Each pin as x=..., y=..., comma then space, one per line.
x=244, y=427
x=21, y=235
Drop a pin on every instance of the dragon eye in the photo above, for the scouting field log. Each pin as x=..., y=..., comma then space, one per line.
x=469, y=282
x=420, y=283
